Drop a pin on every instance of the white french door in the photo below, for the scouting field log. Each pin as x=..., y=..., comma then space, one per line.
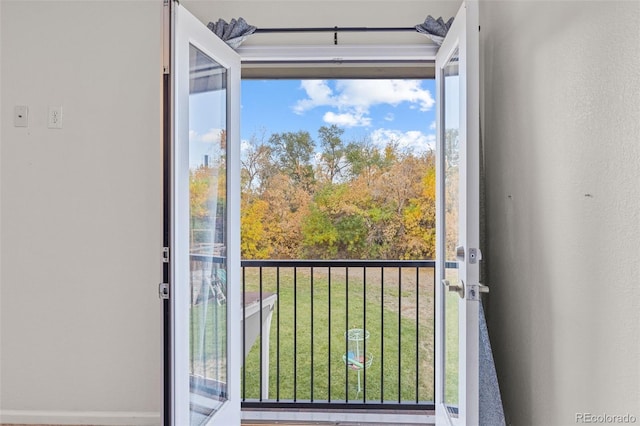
x=458, y=270
x=205, y=226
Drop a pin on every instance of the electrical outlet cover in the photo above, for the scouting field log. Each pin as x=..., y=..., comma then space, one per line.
x=55, y=117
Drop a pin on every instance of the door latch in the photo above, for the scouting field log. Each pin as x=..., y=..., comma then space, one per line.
x=474, y=255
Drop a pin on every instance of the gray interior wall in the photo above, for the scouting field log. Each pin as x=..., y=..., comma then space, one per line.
x=80, y=206
x=81, y=211
x=562, y=126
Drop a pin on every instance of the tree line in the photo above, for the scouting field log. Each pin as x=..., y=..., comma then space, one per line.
x=352, y=200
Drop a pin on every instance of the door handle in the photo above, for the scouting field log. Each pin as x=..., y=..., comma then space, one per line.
x=458, y=288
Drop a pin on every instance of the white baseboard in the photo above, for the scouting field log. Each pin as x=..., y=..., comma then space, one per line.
x=101, y=418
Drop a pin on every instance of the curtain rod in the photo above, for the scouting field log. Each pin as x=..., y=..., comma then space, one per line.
x=333, y=29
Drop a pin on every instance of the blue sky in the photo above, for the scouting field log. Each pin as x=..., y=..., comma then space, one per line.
x=381, y=110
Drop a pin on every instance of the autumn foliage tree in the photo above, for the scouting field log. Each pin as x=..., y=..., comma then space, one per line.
x=350, y=200
x=207, y=198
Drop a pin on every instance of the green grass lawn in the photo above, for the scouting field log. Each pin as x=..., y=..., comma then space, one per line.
x=310, y=332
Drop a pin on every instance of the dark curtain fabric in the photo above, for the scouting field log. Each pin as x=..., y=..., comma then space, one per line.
x=233, y=33
x=435, y=29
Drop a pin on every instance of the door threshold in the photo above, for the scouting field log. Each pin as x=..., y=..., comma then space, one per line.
x=337, y=417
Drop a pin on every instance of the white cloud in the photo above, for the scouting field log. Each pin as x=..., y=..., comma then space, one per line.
x=432, y=126
x=389, y=117
x=346, y=119
x=365, y=93
x=356, y=97
x=319, y=94
x=212, y=136
x=245, y=146
x=413, y=140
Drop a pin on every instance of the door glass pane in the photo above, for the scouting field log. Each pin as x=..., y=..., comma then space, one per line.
x=208, y=235
x=451, y=199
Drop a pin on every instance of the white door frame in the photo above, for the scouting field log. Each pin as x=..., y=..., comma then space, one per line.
x=340, y=54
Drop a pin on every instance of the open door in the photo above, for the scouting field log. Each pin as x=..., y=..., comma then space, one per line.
x=204, y=260
x=457, y=240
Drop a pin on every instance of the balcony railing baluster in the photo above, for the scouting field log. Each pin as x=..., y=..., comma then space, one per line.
x=295, y=334
x=381, y=334
x=277, y=336
x=399, y=335
x=364, y=327
x=261, y=337
x=329, y=334
x=350, y=299
x=346, y=342
x=311, y=337
x=417, y=333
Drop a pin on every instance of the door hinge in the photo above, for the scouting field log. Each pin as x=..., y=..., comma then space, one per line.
x=163, y=291
x=165, y=255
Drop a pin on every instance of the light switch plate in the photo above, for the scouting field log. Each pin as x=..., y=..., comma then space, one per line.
x=21, y=116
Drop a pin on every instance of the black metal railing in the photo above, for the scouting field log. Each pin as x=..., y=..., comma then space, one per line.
x=338, y=334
